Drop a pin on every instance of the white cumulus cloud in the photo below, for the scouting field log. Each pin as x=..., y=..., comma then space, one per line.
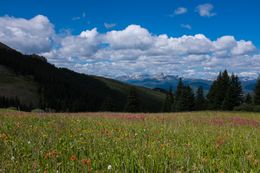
x=132, y=37
x=27, y=35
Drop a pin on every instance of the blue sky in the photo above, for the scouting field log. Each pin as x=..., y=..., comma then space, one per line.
x=233, y=17
x=67, y=20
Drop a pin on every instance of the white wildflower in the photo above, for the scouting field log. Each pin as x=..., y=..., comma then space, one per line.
x=12, y=158
x=109, y=167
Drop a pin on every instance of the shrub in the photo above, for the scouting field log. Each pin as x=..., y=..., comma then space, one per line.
x=244, y=108
x=12, y=108
x=257, y=108
x=37, y=111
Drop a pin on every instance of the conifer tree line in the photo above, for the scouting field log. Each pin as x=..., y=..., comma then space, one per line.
x=226, y=93
x=13, y=102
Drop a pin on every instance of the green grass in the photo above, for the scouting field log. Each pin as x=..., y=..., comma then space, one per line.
x=90, y=142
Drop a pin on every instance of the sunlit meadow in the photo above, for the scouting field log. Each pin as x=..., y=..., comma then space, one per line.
x=119, y=142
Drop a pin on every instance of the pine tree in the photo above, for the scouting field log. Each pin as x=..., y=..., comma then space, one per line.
x=189, y=99
x=257, y=92
x=200, y=102
x=179, y=89
x=169, y=101
x=132, y=104
x=238, y=90
x=234, y=95
x=223, y=88
x=218, y=91
x=179, y=101
x=213, y=93
x=184, y=98
x=228, y=103
x=248, y=99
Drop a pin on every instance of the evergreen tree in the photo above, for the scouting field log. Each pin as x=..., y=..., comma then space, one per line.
x=218, y=90
x=248, y=99
x=228, y=103
x=234, y=95
x=212, y=94
x=169, y=101
x=179, y=101
x=179, y=89
x=189, y=99
x=238, y=90
x=184, y=98
x=200, y=102
x=257, y=92
x=132, y=104
x=224, y=85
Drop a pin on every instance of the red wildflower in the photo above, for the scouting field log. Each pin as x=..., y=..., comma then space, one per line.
x=87, y=162
x=51, y=154
x=243, y=121
x=73, y=158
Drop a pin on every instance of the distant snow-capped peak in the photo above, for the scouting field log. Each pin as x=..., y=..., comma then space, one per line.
x=159, y=76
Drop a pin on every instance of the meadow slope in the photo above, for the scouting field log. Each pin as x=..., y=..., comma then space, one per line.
x=120, y=142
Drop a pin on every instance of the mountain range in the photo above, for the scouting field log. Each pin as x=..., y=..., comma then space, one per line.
x=165, y=81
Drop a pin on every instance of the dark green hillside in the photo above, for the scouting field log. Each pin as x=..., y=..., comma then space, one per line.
x=13, y=85
x=33, y=79
x=150, y=99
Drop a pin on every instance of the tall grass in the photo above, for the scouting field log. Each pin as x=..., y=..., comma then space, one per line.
x=109, y=142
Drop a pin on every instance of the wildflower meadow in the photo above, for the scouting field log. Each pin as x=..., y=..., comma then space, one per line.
x=120, y=142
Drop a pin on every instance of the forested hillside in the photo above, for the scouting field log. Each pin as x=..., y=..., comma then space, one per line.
x=60, y=89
